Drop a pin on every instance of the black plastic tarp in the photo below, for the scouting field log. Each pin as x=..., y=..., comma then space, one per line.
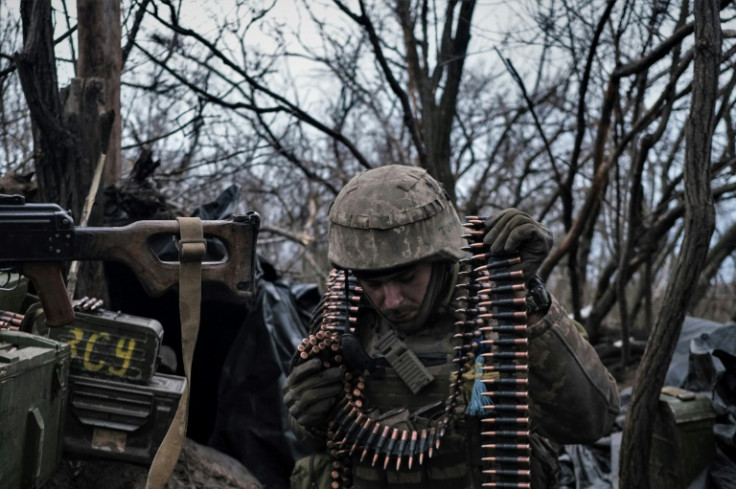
x=251, y=423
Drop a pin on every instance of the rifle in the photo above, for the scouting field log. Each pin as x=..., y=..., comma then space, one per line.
x=37, y=239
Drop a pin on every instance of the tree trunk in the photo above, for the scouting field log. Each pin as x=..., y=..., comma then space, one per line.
x=69, y=129
x=86, y=118
x=699, y=226
x=37, y=73
x=98, y=91
x=100, y=56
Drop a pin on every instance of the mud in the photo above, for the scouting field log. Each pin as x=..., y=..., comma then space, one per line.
x=198, y=467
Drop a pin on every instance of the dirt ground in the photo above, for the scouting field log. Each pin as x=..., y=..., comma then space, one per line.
x=199, y=467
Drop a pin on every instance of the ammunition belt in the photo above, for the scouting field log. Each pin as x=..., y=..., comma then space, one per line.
x=351, y=430
x=494, y=333
x=11, y=321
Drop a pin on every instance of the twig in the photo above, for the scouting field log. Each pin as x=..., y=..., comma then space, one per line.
x=71, y=285
x=530, y=104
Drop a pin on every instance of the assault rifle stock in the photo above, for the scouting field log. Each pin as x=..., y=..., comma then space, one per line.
x=37, y=239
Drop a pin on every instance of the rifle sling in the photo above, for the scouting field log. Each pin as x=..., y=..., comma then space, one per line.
x=191, y=253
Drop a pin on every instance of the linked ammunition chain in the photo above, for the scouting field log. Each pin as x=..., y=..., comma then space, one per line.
x=351, y=430
x=335, y=316
x=10, y=320
x=493, y=332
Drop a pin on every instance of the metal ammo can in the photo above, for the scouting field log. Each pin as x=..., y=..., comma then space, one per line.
x=118, y=420
x=119, y=407
x=33, y=400
x=112, y=345
x=683, y=444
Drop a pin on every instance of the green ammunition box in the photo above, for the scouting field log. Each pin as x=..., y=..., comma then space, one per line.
x=33, y=400
x=112, y=345
x=118, y=420
x=683, y=444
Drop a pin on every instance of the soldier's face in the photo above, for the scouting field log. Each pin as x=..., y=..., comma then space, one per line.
x=399, y=295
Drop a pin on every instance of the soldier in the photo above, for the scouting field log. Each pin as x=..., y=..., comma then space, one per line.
x=395, y=230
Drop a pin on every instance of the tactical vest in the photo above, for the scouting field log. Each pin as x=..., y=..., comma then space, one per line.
x=391, y=401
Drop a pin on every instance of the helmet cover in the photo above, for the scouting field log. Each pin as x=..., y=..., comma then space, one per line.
x=392, y=216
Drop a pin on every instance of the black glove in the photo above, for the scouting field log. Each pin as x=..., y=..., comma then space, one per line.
x=512, y=231
x=311, y=391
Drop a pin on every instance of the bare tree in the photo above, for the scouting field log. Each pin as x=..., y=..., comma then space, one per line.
x=71, y=127
x=699, y=225
x=15, y=132
x=591, y=144
x=100, y=57
x=636, y=144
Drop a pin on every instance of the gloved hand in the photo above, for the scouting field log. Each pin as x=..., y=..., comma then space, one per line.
x=311, y=391
x=512, y=231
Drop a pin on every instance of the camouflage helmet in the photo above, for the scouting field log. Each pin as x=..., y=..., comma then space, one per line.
x=392, y=216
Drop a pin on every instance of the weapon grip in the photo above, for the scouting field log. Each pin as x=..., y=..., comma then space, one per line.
x=49, y=284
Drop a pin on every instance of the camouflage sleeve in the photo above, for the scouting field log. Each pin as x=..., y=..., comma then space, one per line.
x=574, y=398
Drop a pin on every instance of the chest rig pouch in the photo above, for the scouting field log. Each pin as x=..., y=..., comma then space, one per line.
x=403, y=360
